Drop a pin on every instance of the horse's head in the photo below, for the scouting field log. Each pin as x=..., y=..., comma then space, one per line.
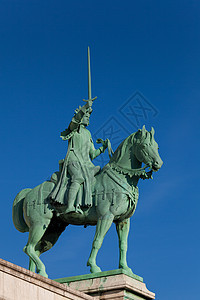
x=146, y=148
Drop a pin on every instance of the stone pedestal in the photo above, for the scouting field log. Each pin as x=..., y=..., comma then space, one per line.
x=112, y=285
x=17, y=283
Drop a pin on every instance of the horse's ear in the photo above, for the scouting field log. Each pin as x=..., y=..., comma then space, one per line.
x=152, y=134
x=144, y=131
x=152, y=131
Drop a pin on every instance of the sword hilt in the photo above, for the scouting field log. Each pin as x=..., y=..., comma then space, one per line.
x=90, y=99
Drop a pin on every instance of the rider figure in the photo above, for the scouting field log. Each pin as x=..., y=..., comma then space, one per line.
x=77, y=162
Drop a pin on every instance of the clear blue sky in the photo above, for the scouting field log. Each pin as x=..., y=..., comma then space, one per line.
x=151, y=48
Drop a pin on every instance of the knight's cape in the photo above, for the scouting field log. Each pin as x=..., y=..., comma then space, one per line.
x=59, y=193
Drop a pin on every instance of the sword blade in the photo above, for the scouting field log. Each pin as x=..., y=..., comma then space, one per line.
x=89, y=76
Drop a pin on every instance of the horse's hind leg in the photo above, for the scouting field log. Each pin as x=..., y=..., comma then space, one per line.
x=48, y=240
x=122, y=231
x=35, y=234
x=103, y=224
x=31, y=262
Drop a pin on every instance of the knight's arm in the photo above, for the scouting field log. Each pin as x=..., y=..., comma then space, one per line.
x=96, y=152
x=76, y=120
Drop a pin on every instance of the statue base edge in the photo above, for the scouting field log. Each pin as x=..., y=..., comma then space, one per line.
x=115, y=284
x=21, y=284
x=98, y=275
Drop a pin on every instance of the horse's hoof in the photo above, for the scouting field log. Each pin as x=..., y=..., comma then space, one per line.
x=127, y=269
x=95, y=269
x=43, y=273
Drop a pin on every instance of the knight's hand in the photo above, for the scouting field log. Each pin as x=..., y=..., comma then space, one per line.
x=89, y=104
x=104, y=143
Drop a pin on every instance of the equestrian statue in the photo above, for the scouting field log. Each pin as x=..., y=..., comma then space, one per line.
x=81, y=193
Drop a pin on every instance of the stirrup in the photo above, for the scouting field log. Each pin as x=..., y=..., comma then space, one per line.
x=70, y=210
x=79, y=210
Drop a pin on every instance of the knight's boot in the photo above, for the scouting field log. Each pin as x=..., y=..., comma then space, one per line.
x=73, y=190
x=70, y=200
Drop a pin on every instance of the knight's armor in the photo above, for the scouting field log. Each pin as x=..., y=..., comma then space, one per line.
x=78, y=162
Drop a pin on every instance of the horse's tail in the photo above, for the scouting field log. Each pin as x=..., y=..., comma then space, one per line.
x=17, y=211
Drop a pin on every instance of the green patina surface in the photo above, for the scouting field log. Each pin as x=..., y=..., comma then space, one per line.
x=98, y=275
x=81, y=193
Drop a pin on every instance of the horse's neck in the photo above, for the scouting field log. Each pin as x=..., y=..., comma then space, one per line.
x=127, y=158
x=128, y=161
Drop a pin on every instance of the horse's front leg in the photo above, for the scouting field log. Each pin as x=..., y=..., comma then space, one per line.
x=103, y=224
x=122, y=231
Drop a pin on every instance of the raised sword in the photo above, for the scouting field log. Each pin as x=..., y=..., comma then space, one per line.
x=89, y=79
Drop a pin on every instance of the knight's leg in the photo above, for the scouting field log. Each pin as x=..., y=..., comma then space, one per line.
x=76, y=180
x=122, y=231
x=103, y=224
x=35, y=234
x=72, y=194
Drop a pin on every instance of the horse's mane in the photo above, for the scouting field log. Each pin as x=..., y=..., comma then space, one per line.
x=122, y=147
x=141, y=136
